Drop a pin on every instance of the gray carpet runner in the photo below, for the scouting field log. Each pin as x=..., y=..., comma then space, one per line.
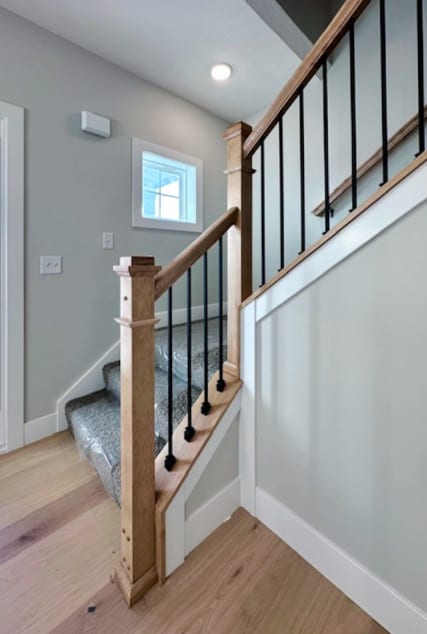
x=94, y=419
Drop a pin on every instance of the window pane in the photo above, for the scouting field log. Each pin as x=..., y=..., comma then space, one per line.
x=170, y=184
x=169, y=208
x=151, y=178
x=168, y=189
x=149, y=205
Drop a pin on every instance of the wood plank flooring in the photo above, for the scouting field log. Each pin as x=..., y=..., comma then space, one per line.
x=59, y=537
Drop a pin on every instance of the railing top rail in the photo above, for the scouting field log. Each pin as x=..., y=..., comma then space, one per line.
x=175, y=269
x=327, y=42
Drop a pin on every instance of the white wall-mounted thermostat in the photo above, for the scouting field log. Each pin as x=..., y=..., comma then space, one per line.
x=95, y=124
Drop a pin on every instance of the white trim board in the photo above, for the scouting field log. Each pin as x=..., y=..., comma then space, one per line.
x=379, y=600
x=12, y=276
x=247, y=435
x=182, y=534
x=393, y=206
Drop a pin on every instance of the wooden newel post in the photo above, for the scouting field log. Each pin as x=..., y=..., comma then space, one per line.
x=136, y=572
x=239, y=194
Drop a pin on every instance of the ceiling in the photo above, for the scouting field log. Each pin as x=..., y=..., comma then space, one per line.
x=174, y=43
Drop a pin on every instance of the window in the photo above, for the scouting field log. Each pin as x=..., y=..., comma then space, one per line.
x=166, y=187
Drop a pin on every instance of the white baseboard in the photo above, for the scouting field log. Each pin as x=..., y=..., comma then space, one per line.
x=92, y=380
x=211, y=515
x=39, y=428
x=374, y=596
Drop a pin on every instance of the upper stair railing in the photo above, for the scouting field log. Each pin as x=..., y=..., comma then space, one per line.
x=147, y=485
x=269, y=138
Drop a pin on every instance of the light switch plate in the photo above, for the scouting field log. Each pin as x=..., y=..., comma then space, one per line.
x=108, y=240
x=50, y=264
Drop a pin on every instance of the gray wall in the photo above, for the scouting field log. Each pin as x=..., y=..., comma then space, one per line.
x=341, y=421
x=311, y=16
x=78, y=186
x=402, y=94
x=222, y=470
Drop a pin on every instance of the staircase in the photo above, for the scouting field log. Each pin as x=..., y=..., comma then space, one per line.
x=94, y=419
x=158, y=381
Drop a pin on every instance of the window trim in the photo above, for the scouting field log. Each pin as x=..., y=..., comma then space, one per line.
x=138, y=221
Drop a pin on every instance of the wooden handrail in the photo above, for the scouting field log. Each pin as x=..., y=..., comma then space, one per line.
x=173, y=271
x=397, y=138
x=350, y=10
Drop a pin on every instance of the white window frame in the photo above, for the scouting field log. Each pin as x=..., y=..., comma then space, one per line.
x=139, y=146
x=12, y=277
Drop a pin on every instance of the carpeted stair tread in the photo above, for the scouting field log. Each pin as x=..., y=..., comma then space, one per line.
x=179, y=362
x=179, y=391
x=112, y=384
x=95, y=423
x=111, y=373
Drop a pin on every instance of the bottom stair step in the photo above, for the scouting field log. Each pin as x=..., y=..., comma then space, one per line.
x=95, y=423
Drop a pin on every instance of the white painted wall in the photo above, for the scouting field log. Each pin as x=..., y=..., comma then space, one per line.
x=402, y=94
x=340, y=417
x=78, y=186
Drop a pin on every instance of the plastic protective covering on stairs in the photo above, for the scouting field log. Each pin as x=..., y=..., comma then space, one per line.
x=95, y=419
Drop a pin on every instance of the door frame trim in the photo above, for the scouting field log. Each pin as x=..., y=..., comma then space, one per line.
x=12, y=276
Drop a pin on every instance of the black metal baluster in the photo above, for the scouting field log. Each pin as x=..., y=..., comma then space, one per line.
x=302, y=168
x=170, y=458
x=353, y=119
x=421, y=93
x=326, y=144
x=282, y=197
x=206, y=406
x=220, y=384
x=262, y=170
x=189, y=430
x=383, y=55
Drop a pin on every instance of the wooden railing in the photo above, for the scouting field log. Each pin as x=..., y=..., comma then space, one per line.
x=141, y=284
x=171, y=273
x=311, y=64
x=272, y=128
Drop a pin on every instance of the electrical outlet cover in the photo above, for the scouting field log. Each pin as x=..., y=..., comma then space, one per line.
x=51, y=265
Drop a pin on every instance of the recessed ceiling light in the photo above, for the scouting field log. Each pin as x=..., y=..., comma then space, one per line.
x=221, y=72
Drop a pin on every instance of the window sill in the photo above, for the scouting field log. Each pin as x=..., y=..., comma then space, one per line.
x=167, y=225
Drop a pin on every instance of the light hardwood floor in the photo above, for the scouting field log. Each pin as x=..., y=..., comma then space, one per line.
x=59, y=536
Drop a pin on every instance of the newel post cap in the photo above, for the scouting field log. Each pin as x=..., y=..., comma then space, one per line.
x=137, y=266
x=240, y=129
